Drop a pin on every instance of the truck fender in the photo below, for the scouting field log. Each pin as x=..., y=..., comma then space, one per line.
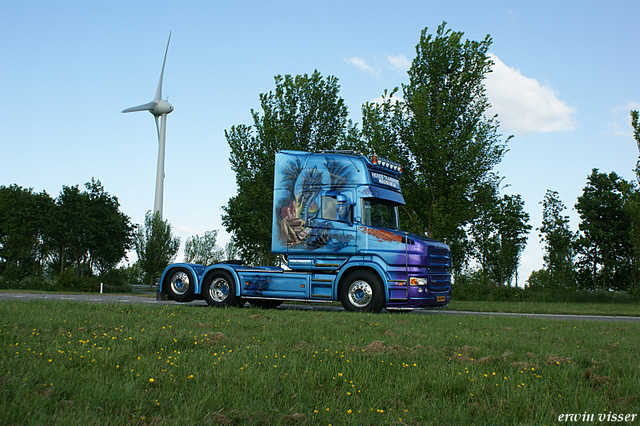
x=353, y=266
x=218, y=267
x=191, y=267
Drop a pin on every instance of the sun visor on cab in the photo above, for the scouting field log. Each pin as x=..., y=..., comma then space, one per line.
x=386, y=194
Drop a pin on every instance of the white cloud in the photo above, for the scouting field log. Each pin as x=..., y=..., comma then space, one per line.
x=621, y=115
x=399, y=62
x=362, y=64
x=524, y=106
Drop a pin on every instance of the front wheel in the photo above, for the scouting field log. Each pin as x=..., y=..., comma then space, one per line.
x=179, y=285
x=219, y=289
x=361, y=291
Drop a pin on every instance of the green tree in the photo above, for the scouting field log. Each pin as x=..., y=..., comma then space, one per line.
x=88, y=230
x=111, y=231
x=558, y=240
x=203, y=250
x=483, y=244
x=604, y=242
x=68, y=226
x=24, y=219
x=303, y=113
x=512, y=224
x=231, y=251
x=499, y=237
x=440, y=134
x=155, y=245
x=81, y=229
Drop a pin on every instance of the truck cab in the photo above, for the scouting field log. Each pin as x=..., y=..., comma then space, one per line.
x=335, y=225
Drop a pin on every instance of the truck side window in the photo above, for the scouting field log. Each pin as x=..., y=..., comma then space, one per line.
x=336, y=208
x=366, y=213
x=329, y=205
x=379, y=214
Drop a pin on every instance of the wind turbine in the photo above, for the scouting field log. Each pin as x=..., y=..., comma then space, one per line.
x=159, y=109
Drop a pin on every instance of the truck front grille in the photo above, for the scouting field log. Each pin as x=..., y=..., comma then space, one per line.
x=439, y=258
x=439, y=279
x=439, y=263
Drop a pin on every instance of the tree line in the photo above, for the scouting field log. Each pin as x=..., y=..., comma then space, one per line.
x=83, y=229
x=605, y=251
x=81, y=238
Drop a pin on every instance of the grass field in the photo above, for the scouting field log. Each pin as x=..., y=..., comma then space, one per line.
x=80, y=363
x=608, y=309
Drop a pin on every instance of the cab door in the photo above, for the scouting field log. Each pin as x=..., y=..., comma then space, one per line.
x=334, y=233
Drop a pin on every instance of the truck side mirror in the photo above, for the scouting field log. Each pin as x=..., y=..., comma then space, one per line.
x=343, y=209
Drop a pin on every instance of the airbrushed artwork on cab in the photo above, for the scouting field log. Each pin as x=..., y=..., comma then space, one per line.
x=257, y=285
x=298, y=204
x=382, y=235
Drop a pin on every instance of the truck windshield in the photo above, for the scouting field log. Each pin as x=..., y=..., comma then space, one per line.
x=380, y=213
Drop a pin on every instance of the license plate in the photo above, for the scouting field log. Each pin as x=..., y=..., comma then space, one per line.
x=440, y=298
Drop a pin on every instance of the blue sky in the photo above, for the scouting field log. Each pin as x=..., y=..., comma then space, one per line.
x=564, y=81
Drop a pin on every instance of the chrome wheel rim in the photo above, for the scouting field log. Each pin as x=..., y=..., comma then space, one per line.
x=180, y=283
x=360, y=293
x=219, y=290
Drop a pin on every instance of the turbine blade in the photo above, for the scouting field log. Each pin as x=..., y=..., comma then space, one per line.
x=159, y=90
x=146, y=107
x=157, y=127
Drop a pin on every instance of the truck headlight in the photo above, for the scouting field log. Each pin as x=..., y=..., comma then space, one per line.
x=418, y=281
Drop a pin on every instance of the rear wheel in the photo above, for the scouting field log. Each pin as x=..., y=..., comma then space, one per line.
x=178, y=284
x=361, y=291
x=219, y=289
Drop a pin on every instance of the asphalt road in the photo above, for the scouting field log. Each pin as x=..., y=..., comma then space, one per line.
x=150, y=300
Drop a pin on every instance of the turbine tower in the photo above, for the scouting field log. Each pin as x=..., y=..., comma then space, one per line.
x=159, y=109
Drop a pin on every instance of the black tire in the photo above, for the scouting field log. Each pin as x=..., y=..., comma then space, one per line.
x=361, y=291
x=178, y=284
x=267, y=304
x=219, y=289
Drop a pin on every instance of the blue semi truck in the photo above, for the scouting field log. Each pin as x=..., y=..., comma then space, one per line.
x=335, y=227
